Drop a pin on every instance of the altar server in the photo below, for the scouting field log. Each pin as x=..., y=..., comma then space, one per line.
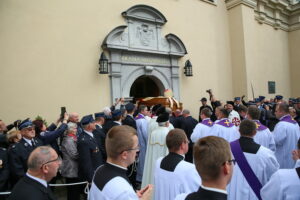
x=262, y=164
x=110, y=181
x=172, y=174
x=286, y=135
x=214, y=164
x=284, y=184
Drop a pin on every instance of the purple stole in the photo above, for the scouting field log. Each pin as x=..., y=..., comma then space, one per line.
x=226, y=123
x=245, y=168
x=207, y=122
x=259, y=126
x=139, y=116
x=289, y=119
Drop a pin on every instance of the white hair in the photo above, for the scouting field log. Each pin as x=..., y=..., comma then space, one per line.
x=106, y=110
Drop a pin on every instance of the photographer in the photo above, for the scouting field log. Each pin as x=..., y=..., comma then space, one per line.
x=49, y=135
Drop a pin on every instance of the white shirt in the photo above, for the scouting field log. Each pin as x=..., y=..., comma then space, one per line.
x=89, y=133
x=41, y=181
x=28, y=141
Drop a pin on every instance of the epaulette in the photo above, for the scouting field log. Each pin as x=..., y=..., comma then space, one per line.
x=2, y=148
x=13, y=146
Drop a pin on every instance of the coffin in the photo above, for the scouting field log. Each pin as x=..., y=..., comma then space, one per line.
x=170, y=102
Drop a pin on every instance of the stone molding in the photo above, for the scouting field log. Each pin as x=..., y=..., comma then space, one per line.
x=280, y=14
x=139, y=49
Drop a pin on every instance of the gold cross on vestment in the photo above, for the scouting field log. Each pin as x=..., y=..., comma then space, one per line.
x=257, y=125
x=227, y=122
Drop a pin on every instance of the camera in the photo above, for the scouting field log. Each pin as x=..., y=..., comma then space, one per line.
x=208, y=91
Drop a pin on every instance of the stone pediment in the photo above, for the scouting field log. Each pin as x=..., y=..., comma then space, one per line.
x=143, y=33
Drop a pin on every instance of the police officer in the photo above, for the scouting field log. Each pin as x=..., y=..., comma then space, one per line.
x=4, y=171
x=19, y=152
x=90, y=156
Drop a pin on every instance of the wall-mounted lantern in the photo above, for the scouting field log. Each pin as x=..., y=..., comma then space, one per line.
x=188, y=68
x=103, y=62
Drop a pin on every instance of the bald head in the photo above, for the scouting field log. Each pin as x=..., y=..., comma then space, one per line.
x=38, y=157
x=74, y=117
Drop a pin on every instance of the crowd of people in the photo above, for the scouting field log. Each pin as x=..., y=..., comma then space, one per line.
x=235, y=150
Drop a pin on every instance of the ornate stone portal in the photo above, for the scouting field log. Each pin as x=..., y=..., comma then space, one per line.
x=138, y=49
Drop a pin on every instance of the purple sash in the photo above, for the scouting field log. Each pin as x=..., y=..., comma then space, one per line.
x=245, y=168
x=298, y=171
x=225, y=123
x=139, y=116
x=289, y=119
x=207, y=122
x=259, y=126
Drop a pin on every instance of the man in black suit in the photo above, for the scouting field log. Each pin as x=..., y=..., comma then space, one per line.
x=214, y=164
x=129, y=119
x=90, y=157
x=43, y=164
x=189, y=125
x=99, y=132
x=19, y=152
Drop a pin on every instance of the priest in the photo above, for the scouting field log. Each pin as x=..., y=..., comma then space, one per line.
x=156, y=147
x=223, y=127
x=286, y=135
x=172, y=174
x=261, y=161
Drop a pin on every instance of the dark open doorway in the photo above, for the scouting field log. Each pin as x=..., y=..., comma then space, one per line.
x=145, y=86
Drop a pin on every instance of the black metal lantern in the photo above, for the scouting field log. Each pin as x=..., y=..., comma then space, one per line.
x=103, y=62
x=188, y=68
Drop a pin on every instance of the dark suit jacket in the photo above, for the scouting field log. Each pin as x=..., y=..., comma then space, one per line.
x=129, y=121
x=29, y=189
x=100, y=139
x=17, y=157
x=90, y=157
x=206, y=195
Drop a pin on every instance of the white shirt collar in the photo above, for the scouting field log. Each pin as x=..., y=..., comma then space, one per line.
x=214, y=189
x=28, y=141
x=118, y=122
x=89, y=133
x=117, y=165
x=99, y=125
x=43, y=182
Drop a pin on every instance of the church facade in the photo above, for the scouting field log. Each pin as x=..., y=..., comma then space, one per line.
x=50, y=52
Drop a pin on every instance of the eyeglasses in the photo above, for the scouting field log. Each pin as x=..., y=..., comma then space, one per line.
x=230, y=161
x=133, y=149
x=50, y=161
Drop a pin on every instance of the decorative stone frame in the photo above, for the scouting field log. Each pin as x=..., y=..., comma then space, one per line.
x=137, y=49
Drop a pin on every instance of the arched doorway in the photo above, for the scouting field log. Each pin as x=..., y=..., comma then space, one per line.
x=146, y=86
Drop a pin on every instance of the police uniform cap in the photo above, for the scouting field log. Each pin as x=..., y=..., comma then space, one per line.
x=116, y=113
x=25, y=124
x=164, y=117
x=129, y=107
x=99, y=114
x=261, y=98
x=87, y=119
x=279, y=97
x=237, y=98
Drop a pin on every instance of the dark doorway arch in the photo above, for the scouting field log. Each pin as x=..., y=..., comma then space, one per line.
x=146, y=86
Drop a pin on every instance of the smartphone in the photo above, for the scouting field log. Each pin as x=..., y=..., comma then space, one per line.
x=62, y=112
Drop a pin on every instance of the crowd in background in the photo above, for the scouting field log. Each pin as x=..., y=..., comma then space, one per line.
x=80, y=141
